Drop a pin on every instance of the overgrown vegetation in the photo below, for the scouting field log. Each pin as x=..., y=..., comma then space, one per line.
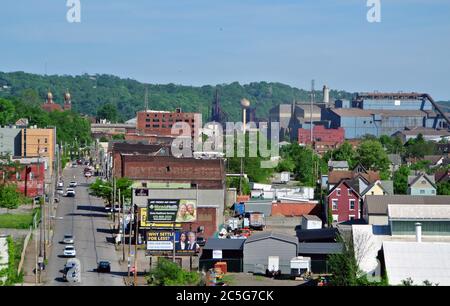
x=14, y=253
x=168, y=273
x=103, y=189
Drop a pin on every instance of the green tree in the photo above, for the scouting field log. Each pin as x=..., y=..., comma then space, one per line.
x=343, y=267
x=233, y=182
x=108, y=111
x=168, y=273
x=344, y=152
x=443, y=188
x=10, y=197
x=7, y=111
x=400, y=179
x=419, y=147
x=372, y=155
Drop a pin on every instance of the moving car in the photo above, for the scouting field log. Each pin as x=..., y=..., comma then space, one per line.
x=68, y=239
x=69, y=251
x=116, y=208
x=88, y=174
x=104, y=267
x=73, y=184
x=70, y=192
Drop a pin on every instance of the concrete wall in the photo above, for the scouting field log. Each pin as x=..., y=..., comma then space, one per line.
x=10, y=141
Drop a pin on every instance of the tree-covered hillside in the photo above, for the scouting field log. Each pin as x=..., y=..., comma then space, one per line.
x=90, y=92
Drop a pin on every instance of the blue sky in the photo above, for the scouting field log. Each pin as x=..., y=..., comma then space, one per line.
x=198, y=42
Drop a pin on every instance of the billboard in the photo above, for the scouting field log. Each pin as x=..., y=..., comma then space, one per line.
x=161, y=243
x=146, y=224
x=182, y=211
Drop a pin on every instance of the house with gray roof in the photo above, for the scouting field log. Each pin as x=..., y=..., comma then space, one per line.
x=375, y=209
x=395, y=162
x=421, y=184
x=338, y=165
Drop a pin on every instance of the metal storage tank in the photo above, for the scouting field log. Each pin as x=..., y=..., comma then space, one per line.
x=259, y=247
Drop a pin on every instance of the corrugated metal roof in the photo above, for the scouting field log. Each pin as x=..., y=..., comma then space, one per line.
x=378, y=204
x=224, y=244
x=271, y=235
x=429, y=212
x=320, y=248
x=419, y=261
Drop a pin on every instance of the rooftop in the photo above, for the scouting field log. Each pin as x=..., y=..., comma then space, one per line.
x=422, y=212
x=378, y=204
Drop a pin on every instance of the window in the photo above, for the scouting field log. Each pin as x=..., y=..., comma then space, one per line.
x=422, y=191
x=352, y=204
x=433, y=191
x=338, y=191
x=351, y=217
x=334, y=204
x=45, y=140
x=349, y=192
x=144, y=185
x=147, y=125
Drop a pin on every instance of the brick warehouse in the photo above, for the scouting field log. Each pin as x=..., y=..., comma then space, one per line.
x=205, y=174
x=168, y=177
x=321, y=134
x=29, y=178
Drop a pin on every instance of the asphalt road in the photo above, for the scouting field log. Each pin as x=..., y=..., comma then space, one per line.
x=84, y=217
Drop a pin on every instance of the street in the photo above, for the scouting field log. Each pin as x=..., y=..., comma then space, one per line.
x=86, y=219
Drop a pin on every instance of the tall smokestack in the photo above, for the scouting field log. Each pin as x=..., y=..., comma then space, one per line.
x=418, y=232
x=326, y=95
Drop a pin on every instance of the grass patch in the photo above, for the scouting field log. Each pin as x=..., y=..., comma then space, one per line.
x=18, y=221
x=228, y=279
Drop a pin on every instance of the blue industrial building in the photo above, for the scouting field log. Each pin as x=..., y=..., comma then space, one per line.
x=384, y=114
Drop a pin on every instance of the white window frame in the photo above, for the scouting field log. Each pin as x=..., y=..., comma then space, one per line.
x=338, y=192
x=350, y=217
x=349, y=204
x=337, y=204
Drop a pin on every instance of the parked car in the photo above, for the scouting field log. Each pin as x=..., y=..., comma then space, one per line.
x=73, y=184
x=60, y=184
x=88, y=174
x=68, y=239
x=60, y=190
x=74, y=165
x=116, y=208
x=201, y=241
x=69, y=251
x=104, y=267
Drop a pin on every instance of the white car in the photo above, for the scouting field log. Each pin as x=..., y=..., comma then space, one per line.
x=70, y=192
x=73, y=184
x=68, y=239
x=60, y=184
x=88, y=174
x=60, y=190
x=69, y=251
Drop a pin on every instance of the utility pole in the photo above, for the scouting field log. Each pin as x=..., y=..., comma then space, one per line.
x=311, y=111
x=35, y=251
x=123, y=228
x=136, y=232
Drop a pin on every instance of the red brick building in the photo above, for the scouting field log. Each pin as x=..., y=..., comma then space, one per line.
x=29, y=179
x=205, y=174
x=321, y=134
x=160, y=123
x=344, y=202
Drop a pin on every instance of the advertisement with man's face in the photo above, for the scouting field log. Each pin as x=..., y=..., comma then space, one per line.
x=182, y=211
x=161, y=243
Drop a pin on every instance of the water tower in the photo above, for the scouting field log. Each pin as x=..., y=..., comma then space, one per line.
x=245, y=104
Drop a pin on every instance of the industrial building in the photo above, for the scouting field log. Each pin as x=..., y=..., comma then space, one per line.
x=385, y=114
x=262, y=247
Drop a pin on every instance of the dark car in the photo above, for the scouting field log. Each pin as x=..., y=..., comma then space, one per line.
x=201, y=241
x=104, y=267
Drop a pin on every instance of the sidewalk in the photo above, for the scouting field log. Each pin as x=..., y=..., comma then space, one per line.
x=29, y=263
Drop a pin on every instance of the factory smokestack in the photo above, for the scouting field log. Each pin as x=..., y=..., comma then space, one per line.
x=418, y=232
x=326, y=94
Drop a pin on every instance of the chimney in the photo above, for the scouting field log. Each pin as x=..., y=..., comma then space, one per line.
x=418, y=232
